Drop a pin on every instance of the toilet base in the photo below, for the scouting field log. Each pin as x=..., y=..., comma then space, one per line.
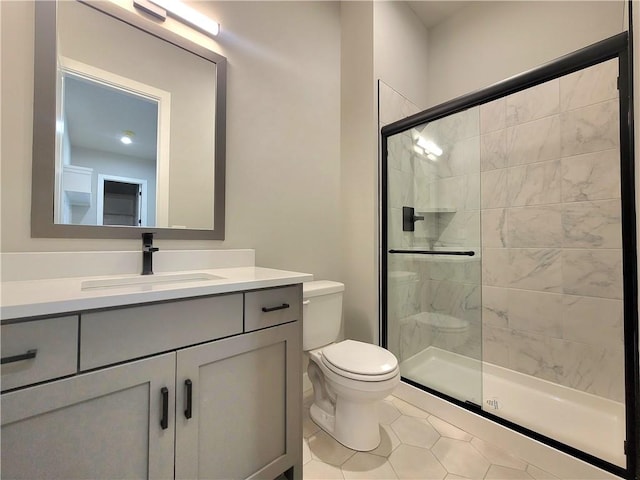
x=358, y=426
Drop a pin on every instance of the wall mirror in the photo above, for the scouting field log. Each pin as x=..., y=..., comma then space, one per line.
x=129, y=127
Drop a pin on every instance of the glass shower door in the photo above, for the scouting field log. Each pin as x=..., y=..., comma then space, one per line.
x=433, y=270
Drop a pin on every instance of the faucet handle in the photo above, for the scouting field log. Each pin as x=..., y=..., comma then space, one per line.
x=147, y=239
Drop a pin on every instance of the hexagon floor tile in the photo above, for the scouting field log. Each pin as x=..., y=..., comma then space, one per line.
x=415, y=445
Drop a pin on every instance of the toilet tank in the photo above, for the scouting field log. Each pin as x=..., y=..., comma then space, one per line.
x=322, y=313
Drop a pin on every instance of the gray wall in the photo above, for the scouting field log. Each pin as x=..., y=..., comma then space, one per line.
x=283, y=134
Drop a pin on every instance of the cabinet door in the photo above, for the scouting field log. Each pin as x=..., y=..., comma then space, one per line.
x=245, y=408
x=104, y=424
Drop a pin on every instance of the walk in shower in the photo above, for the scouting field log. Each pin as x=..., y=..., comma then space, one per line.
x=503, y=282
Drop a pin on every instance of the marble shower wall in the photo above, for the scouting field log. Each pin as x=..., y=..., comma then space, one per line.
x=445, y=190
x=403, y=281
x=551, y=232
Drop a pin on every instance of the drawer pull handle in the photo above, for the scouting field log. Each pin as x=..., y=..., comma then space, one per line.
x=17, y=358
x=189, y=387
x=164, y=421
x=273, y=309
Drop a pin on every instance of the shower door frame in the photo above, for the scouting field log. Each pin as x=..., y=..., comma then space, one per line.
x=617, y=47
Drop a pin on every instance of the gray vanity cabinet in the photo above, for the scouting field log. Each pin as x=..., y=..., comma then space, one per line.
x=236, y=406
x=216, y=397
x=104, y=424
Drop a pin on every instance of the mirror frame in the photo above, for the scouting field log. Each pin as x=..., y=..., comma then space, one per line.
x=44, y=130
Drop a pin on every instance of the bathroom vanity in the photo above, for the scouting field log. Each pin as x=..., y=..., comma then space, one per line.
x=185, y=377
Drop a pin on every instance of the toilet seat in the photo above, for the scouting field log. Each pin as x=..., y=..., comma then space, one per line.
x=360, y=361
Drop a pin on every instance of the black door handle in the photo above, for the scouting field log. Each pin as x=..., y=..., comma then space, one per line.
x=17, y=358
x=164, y=420
x=189, y=387
x=273, y=309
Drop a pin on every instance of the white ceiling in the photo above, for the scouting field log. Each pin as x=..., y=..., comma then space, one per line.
x=97, y=115
x=433, y=12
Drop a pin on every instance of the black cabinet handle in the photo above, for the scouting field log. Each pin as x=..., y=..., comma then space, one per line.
x=273, y=309
x=189, y=387
x=164, y=421
x=17, y=358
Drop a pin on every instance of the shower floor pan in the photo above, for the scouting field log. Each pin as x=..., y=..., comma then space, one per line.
x=590, y=423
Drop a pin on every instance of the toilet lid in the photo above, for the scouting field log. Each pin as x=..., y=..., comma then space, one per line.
x=359, y=358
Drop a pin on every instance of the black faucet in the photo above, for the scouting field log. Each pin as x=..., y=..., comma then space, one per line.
x=147, y=253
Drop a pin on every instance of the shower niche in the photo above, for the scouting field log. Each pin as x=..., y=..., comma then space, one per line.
x=508, y=291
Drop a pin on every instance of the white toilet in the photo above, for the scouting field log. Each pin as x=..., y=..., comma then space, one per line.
x=349, y=378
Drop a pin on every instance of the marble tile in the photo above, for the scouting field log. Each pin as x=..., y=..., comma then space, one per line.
x=460, y=458
x=495, y=306
x=533, y=142
x=591, y=176
x=531, y=354
x=534, y=184
x=396, y=237
x=533, y=103
x=535, y=312
x=400, y=188
x=411, y=462
x=317, y=470
x=493, y=185
x=595, y=321
x=536, y=269
x=593, y=273
x=368, y=467
x=590, y=85
x=324, y=448
x=497, y=472
x=458, y=126
x=494, y=228
x=590, y=368
x=493, y=150
x=590, y=129
x=498, y=456
x=459, y=158
x=389, y=441
x=535, y=226
x=472, y=200
x=414, y=337
x=452, y=298
x=415, y=431
x=400, y=152
x=392, y=106
x=460, y=229
x=426, y=194
x=594, y=224
x=447, y=430
x=495, y=267
x=493, y=115
x=452, y=476
x=450, y=192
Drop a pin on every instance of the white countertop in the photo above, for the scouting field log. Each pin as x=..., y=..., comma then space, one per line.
x=29, y=298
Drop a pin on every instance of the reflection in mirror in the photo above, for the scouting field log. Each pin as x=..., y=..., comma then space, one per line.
x=136, y=133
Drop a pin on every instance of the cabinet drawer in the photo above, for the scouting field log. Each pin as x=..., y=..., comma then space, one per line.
x=266, y=308
x=55, y=341
x=113, y=336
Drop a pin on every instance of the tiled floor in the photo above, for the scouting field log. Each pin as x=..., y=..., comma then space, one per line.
x=415, y=445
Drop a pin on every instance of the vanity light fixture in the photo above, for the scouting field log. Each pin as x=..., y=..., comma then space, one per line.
x=127, y=137
x=176, y=9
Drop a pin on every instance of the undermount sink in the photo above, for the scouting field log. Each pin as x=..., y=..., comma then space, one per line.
x=157, y=279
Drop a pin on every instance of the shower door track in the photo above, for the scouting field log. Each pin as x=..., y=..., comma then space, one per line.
x=617, y=47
